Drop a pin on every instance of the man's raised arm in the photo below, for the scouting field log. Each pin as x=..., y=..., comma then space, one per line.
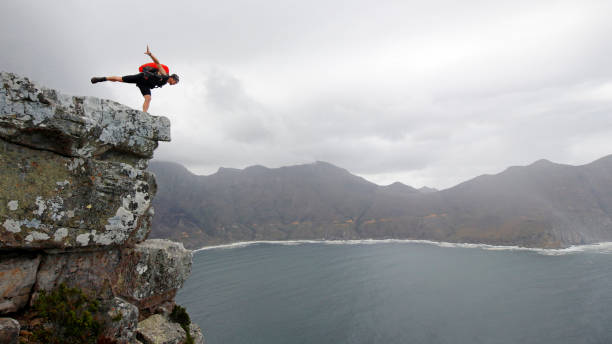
x=156, y=61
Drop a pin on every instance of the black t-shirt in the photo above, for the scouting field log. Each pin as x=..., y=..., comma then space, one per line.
x=156, y=80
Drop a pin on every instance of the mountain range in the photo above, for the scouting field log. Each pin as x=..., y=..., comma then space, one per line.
x=544, y=205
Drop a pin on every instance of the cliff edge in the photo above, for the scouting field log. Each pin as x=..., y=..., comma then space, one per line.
x=75, y=213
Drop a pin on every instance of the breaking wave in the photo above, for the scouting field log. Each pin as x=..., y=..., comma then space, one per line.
x=603, y=247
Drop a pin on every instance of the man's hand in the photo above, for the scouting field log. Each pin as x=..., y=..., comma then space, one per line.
x=148, y=51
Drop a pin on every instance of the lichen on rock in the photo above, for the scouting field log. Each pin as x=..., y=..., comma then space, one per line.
x=72, y=169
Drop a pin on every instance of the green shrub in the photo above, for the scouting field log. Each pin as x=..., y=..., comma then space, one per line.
x=179, y=315
x=69, y=317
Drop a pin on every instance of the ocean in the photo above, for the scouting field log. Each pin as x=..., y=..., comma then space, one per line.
x=400, y=292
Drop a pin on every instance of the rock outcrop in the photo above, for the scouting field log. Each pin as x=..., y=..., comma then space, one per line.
x=157, y=329
x=75, y=207
x=72, y=168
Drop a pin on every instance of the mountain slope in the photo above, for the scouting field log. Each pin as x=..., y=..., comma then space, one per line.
x=257, y=202
x=541, y=205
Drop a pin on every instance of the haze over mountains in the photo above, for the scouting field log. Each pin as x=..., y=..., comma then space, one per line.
x=541, y=205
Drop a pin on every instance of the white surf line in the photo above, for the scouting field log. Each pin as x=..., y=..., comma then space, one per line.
x=603, y=247
x=250, y=243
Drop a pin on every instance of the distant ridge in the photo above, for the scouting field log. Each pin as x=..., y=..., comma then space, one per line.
x=544, y=204
x=426, y=189
x=400, y=187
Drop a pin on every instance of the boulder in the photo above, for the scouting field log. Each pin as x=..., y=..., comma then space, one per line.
x=122, y=321
x=156, y=329
x=17, y=276
x=152, y=272
x=9, y=331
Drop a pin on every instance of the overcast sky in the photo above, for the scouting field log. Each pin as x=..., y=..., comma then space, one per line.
x=423, y=92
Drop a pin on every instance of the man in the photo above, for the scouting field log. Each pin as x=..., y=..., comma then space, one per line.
x=145, y=81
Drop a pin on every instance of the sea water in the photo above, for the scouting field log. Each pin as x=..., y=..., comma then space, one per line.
x=400, y=292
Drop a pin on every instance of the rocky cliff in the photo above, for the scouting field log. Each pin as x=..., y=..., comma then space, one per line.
x=75, y=213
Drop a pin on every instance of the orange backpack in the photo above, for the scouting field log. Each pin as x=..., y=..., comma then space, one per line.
x=152, y=65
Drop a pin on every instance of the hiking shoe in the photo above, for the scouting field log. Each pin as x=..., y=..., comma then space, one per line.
x=97, y=79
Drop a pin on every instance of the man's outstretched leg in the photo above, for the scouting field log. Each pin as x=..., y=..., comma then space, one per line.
x=130, y=79
x=106, y=78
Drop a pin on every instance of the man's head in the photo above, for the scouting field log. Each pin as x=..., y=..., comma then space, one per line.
x=173, y=79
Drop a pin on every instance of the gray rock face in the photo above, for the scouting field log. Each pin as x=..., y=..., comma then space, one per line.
x=156, y=329
x=123, y=321
x=51, y=201
x=9, y=331
x=160, y=265
x=17, y=276
x=151, y=273
x=81, y=127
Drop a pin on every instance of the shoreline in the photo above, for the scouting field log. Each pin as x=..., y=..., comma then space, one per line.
x=601, y=247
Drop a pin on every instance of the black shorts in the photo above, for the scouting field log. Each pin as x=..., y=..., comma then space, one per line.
x=140, y=82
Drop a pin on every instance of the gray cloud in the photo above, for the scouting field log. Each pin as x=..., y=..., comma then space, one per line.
x=427, y=93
